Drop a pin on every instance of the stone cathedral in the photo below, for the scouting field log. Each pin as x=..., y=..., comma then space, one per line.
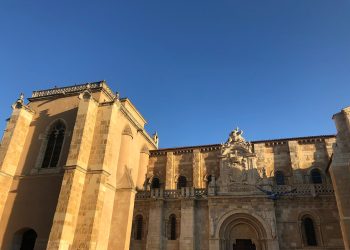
x=79, y=171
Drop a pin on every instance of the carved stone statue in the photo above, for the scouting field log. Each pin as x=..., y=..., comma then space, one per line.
x=117, y=96
x=155, y=138
x=20, y=102
x=238, y=171
x=21, y=98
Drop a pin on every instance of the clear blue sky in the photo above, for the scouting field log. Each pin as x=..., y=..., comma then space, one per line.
x=195, y=69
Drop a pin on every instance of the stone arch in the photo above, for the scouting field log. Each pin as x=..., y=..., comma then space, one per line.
x=320, y=172
x=181, y=181
x=154, y=179
x=242, y=225
x=24, y=238
x=317, y=226
x=44, y=136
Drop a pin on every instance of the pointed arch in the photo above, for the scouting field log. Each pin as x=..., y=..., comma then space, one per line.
x=54, y=140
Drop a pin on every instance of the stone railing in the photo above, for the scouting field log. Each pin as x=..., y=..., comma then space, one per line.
x=285, y=190
x=74, y=89
x=159, y=193
x=304, y=189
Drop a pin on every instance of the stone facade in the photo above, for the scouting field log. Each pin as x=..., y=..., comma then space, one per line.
x=79, y=171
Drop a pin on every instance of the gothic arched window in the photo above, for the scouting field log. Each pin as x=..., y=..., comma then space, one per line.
x=309, y=231
x=54, y=145
x=181, y=182
x=172, y=227
x=139, y=227
x=155, y=183
x=316, y=177
x=279, y=177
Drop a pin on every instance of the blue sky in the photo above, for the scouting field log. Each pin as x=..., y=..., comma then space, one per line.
x=195, y=69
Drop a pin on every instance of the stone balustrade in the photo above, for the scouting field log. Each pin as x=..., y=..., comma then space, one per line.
x=200, y=193
x=159, y=193
x=304, y=189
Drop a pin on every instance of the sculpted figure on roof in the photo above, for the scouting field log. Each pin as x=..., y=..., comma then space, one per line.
x=236, y=140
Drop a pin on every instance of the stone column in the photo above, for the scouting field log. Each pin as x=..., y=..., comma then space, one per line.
x=123, y=209
x=90, y=212
x=91, y=231
x=197, y=170
x=143, y=164
x=67, y=209
x=155, y=226
x=170, y=174
x=340, y=172
x=187, y=235
x=11, y=148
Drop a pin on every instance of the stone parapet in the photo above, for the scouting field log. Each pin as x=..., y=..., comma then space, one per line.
x=298, y=190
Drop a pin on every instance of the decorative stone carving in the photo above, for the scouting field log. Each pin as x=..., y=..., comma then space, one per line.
x=155, y=138
x=19, y=103
x=238, y=172
x=74, y=89
x=117, y=97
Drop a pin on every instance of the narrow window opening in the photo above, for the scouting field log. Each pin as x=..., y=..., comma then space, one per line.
x=316, y=176
x=309, y=231
x=279, y=177
x=54, y=145
x=28, y=240
x=139, y=227
x=172, y=220
x=181, y=182
x=155, y=183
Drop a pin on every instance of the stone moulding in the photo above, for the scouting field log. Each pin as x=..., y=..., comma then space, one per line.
x=213, y=147
x=101, y=85
x=302, y=190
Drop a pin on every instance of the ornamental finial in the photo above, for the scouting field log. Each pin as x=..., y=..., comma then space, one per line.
x=21, y=98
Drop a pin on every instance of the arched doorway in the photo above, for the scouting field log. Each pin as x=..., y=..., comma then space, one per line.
x=28, y=240
x=241, y=244
x=24, y=239
x=242, y=232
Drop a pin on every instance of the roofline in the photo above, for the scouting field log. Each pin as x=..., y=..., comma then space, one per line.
x=189, y=148
x=295, y=138
x=72, y=90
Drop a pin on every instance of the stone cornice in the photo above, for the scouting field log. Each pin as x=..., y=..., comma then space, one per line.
x=300, y=140
x=72, y=90
x=213, y=147
x=184, y=150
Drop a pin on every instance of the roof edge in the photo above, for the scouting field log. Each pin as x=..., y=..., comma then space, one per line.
x=185, y=148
